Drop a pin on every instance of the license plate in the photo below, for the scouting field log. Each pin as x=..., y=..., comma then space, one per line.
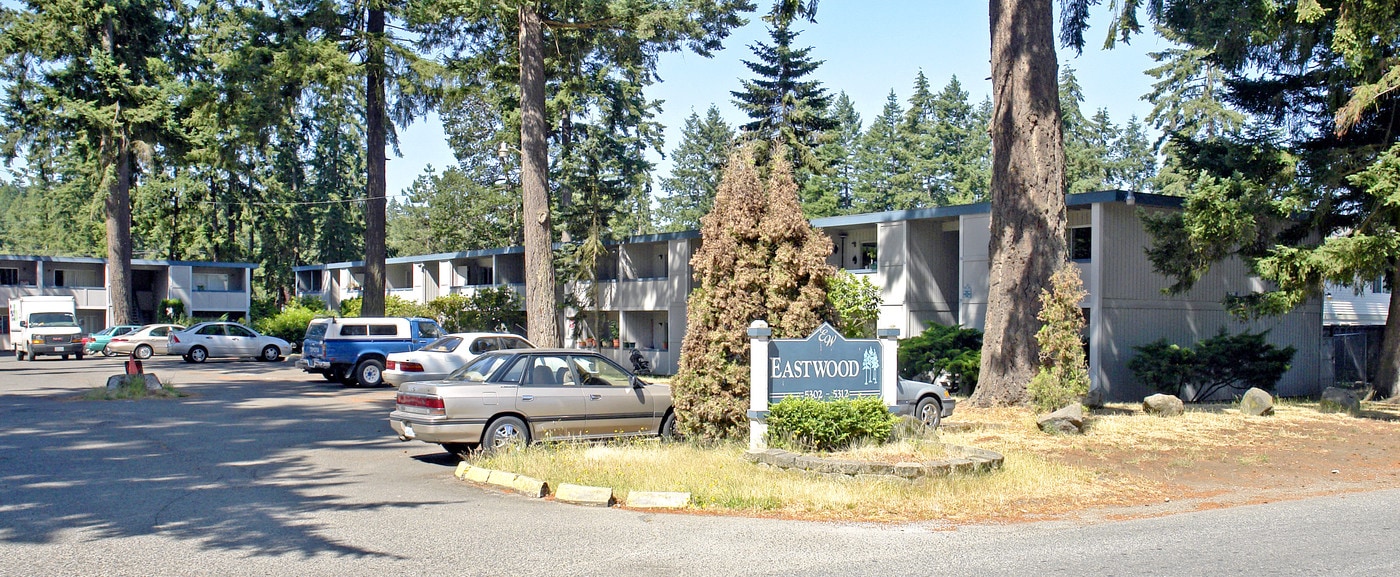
x=407, y=429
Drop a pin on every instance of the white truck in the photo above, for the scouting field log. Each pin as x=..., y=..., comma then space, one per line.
x=45, y=325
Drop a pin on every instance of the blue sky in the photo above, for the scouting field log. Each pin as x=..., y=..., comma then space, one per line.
x=869, y=48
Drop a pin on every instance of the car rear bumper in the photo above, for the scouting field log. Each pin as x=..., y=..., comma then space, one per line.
x=415, y=427
x=397, y=378
x=310, y=365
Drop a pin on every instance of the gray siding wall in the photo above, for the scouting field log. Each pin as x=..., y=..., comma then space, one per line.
x=932, y=275
x=1134, y=312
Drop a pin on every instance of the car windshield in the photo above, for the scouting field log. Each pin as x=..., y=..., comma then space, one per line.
x=52, y=320
x=443, y=345
x=477, y=371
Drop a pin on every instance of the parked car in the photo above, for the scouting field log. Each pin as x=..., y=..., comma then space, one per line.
x=224, y=339
x=929, y=402
x=143, y=342
x=439, y=358
x=509, y=398
x=97, y=342
x=353, y=350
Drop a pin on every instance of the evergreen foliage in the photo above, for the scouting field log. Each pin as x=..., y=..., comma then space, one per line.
x=1064, y=372
x=882, y=164
x=785, y=109
x=759, y=259
x=950, y=349
x=831, y=191
x=1224, y=362
x=697, y=167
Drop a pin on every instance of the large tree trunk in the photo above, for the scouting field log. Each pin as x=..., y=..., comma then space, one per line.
x=1387, y=383
x=1028, y=199
x=543, y=325
x=372, y=294
x=118, y=208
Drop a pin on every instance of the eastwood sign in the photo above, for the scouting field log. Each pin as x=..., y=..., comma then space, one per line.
x=824, y=366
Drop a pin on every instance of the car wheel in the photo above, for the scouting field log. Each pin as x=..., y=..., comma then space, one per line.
x=143, y=352
x=19, y=355
x=463, y=451
x=80, y=356
x=668, y=427
x=505, y=434
x=32, y=356
x=64, y=357
x=197, y=355
x=107, y=351
x=270, y=353
x=929, y=412
x=369, y=373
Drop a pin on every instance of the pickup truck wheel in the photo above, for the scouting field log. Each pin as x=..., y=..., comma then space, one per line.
x=370, y=373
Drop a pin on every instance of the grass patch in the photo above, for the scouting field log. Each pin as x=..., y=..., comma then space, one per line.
x=132, y=389
x=718, y=479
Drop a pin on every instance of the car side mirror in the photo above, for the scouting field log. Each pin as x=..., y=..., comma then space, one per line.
x=24, y=324
x=637, y=383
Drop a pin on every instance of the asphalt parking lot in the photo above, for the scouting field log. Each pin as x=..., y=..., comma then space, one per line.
x=264, y=470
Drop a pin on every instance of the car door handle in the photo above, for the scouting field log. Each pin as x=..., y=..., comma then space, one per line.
x=527, y=397
x=595, y=397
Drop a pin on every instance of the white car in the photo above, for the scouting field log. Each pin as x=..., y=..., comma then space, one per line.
x=224, y=339
x=439, y=358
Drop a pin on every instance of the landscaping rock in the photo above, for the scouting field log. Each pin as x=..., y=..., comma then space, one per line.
x=1094, y=399
x=1257, y=402
x=657, y=500
x=1163, y=405
x=584, y=495
x=1069, y=421
x=151, y=381
x=1335, y=400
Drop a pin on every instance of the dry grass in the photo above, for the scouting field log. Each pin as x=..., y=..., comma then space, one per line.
x=132, y=390
x=1124, y=458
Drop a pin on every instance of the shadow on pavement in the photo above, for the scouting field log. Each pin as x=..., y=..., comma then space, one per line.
x=243, y=465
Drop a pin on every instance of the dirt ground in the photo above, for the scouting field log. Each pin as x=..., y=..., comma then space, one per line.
x=1211, y=457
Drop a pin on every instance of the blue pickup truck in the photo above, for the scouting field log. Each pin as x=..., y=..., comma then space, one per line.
x=352, y=350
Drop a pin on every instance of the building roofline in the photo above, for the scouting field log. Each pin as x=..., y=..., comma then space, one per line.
x=141, y=262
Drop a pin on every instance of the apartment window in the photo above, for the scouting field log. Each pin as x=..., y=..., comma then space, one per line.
x=58, y=279
x=9, y=276
x=869, y=255
x=204, y=281
x=1081, y=246
x=1378, y=286
x=316, y=280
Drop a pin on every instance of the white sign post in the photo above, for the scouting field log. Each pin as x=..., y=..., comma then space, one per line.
x=759, y=333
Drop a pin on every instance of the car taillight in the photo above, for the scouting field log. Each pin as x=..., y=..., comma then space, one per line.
x=85, y=340
x=408, y=367
x=423, y=404
x=174, y=339
x=118, y=340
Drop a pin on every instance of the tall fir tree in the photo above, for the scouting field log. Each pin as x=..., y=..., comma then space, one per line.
x=882, y=164
x=832, y=191
x=697, y=166
x=785, y=109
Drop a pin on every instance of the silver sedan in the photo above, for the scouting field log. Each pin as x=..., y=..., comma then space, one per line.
x=143, y=342
x=508, y=399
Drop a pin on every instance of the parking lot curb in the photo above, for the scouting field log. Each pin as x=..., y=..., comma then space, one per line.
x=530, y=487
x=584, y=495
x=477, y=475
x=462, y=469
x=657, y=500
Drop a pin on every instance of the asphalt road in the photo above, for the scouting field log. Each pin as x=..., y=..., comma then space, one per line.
x=267, y=471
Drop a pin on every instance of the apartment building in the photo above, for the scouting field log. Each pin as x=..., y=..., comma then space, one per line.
x=208, y=289
x=931, y=266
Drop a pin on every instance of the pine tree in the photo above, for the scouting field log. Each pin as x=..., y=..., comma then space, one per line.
x=784, y=110
x=882, y=164
x=832, y=191
x=759, y=259
x=697, y=167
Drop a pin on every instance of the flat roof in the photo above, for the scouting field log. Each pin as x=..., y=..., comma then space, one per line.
x=134, y=261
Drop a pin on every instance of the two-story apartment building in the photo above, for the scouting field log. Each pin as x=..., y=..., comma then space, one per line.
x=931, y=266
x=208, y=289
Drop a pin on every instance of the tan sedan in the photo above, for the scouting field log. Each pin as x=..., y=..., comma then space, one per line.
x=510, y=398
x=144, y=342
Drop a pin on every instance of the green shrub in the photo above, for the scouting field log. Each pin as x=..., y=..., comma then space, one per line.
x=1234, y=362
x=1063, y=377
x=951, y=349
x=393, y=307
x=289, y=324
x=856, y=301
x=810, y=425
x=484, y=310
x=171, y=311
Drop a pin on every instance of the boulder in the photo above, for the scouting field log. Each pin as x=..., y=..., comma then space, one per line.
x=1257, y=402
x=1335, y=400
x=1094, y=400
x=1163, y=405
x=1069, y=421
